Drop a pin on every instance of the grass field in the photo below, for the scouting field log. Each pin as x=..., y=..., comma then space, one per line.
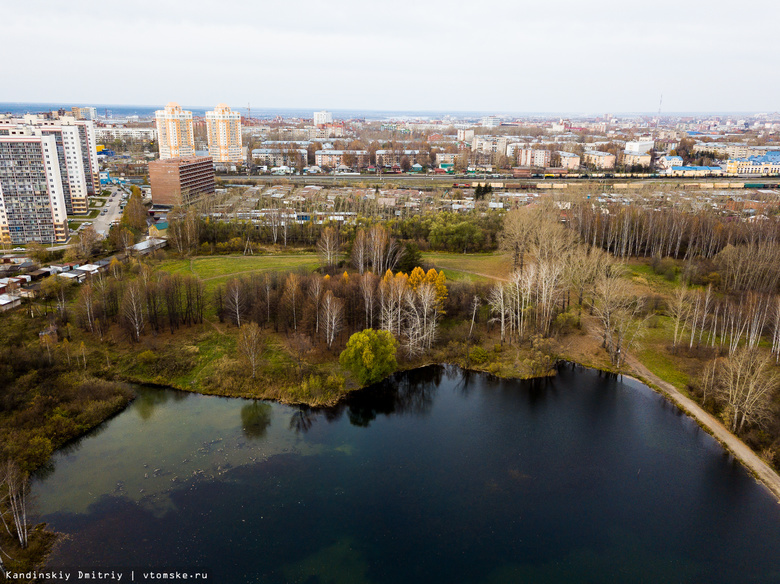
x=483, y=267
x=215, y=270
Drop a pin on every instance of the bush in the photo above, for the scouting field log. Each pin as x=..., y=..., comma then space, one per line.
x=370, y=356
x=478, y=355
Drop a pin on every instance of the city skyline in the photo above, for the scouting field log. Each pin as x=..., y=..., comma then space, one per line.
x=507, y=57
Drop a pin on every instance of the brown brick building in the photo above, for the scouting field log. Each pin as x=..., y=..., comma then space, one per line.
x=180, y=181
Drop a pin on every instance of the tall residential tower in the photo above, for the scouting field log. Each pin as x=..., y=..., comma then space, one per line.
x=224, y=133
x=174, y=132
x=32, y=201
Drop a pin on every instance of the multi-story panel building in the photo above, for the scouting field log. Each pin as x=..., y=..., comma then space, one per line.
x=181, y=181
x=77, y=152
x=465, y=135
x=446, y=157
x=394, y=157
x=280, y=157
x=569, y=160
x=110, y=134
x=32, y=202
x=599, y=159
x=636, y=159
x=336, y=158
x=71, y=166
x=223, y=127
x=323, y=118
x=534, y=157
x=174, y=132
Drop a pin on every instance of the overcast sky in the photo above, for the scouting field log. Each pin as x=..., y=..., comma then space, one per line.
x=491, y=55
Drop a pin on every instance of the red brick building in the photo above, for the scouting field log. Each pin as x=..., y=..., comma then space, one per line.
x=181, y=181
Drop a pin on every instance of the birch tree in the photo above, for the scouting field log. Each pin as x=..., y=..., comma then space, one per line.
x=332, y=317
x=745, y=386
x=134, y=310
x=14, y=486
x=328, y=246
x=250, y=344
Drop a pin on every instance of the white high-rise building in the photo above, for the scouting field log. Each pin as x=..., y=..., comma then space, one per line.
x=76, y=154
x=323, y=118
x=491, y=122
x=224, y=133
x=174, y=132
x=32, y=200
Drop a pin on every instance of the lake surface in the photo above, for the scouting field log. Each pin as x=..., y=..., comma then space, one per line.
x=437, y=475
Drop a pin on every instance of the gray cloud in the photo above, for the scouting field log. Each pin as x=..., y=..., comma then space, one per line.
x=493, y=55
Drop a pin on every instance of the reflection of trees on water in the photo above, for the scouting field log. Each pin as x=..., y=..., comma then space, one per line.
x=149, y=400
x=255, y=419
x=303, y=419
x=411, y=392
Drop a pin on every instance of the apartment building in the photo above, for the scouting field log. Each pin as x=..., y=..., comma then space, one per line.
x=32, y=200
x=534, y=157
x=569, y=160
x=323, y=118
x=223, y=127
x=77, y=152
x=181, y=181
x=336, y=158
x=106, y=135
x=387, y=158
x=293, y=157
x=446, y=157
x=636, y=159
x=598, y=159
x=465, y=135
x=174, y=132
x=639, y=146
x=490, y=144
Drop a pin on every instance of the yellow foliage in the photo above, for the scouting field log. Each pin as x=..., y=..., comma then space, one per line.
x=416, y=278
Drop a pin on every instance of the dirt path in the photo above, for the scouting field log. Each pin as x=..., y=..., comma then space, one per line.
x=712, y=425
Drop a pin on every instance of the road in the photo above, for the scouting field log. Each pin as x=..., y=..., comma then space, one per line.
x=102, y=223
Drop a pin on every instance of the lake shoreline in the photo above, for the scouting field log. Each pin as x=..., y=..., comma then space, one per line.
x=759, y=469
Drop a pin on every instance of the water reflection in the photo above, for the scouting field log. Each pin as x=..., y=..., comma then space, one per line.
x=255, y=419
x=303, y=419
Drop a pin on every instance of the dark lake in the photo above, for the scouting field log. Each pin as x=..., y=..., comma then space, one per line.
x=437, y=475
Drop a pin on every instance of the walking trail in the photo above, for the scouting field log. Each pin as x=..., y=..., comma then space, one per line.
x=760, y=470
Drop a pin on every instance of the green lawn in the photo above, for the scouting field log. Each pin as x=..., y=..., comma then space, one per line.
x=477, y=267
x=215, y=270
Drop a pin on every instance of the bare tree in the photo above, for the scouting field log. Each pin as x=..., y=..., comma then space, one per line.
x=328, y=247
x=619, y=314
x=236, y=301
x=250, y=344
x=134, y=310
x=332, y=317
x=679, y=308
x=14, y=486
x=315, y=293
x=292, y=294
x=368, y=286
x=86, y=241
x=360, y=251
x=745, y=386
